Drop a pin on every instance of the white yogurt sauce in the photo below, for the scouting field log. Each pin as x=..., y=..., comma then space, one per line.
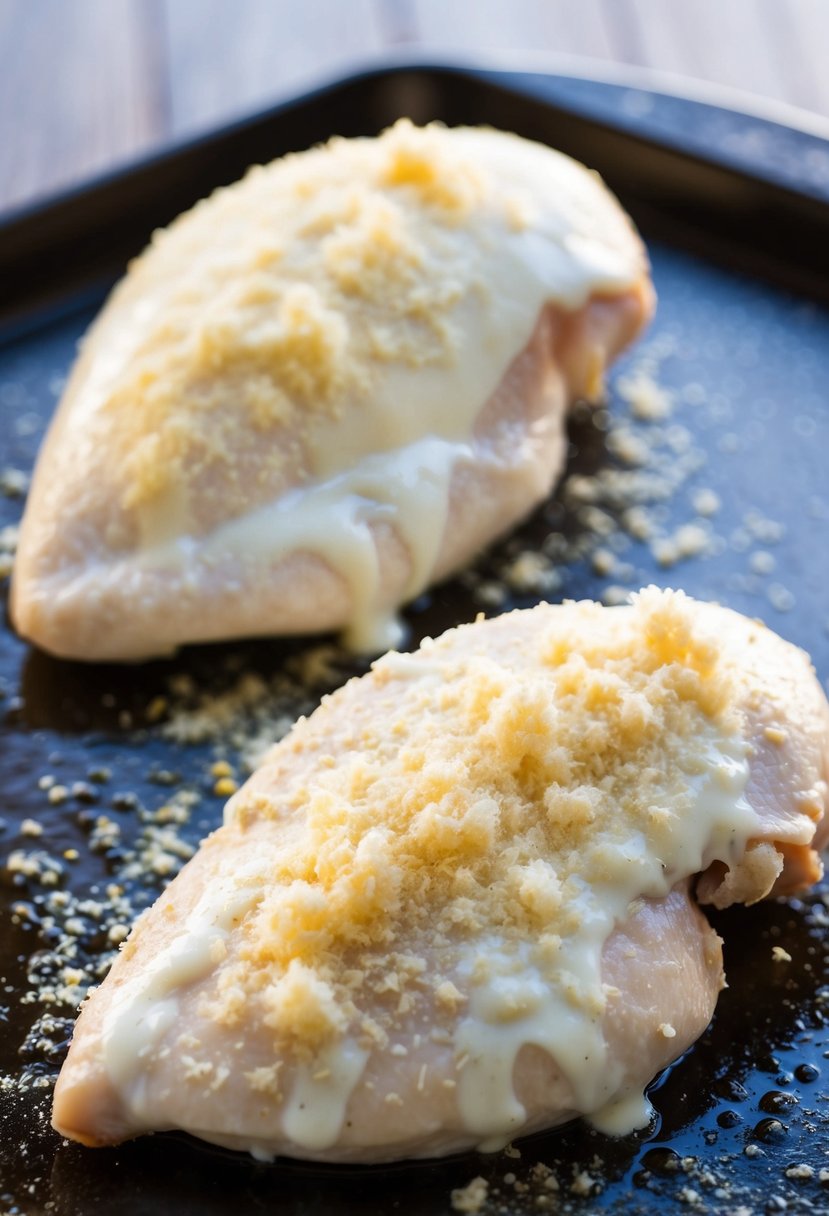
x=520, y=1004
x=146, y=1006
x=333, y=520
x=390, y=453
x=315, y=1110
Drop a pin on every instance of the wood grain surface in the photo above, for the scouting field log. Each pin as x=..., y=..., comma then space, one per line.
x=88, y=84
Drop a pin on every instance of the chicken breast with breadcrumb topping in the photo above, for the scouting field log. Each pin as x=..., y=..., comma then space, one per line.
x=464, y=900
x=321, y=390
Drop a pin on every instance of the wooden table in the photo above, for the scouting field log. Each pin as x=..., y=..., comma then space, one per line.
x=86, y=84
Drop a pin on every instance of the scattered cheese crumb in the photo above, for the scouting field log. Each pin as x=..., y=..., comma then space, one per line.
x=156, y=709
x=648, y=400
x=225, y=786
x=781, y=598
x=689, y=540
x=583, y=1183
x=800, y=1172
x=13, y=482
x=761, y=562
x=472, y=1197
x=265, y=1078
x=447, y=994
x=706, y=503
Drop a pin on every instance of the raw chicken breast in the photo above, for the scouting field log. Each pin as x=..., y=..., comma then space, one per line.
x=455, y=905
x=322, y=389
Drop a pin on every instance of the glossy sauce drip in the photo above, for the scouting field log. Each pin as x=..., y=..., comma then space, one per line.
x=540, y=231
x=147, y=1006
x=522, y=1004
x=335, y=521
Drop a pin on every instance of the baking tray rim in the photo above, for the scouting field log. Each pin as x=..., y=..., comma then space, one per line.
x=481, y=68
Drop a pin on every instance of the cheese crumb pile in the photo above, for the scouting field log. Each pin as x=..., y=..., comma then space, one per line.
x=269, y=311
x=470, y=793
x=324, y=269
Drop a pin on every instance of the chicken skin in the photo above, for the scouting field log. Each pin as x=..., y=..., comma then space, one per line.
x=321, y=390
x=459, y=902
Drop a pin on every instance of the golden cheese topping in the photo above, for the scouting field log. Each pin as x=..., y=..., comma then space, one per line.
x=458, y=834
x=480, y=795
x=295, y=389
x=304, y=355
x=298, y=296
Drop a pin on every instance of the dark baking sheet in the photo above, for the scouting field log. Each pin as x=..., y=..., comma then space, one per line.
x=741, y=338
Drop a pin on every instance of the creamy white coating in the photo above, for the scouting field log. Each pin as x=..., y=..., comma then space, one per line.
x=147, y=1006
x=623, y=1115
x=392, y=455
x=587, y=754
x=407, y=487
x=315, y=1110
x=519, y=1005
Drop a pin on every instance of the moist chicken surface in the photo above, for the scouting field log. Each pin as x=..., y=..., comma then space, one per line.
x=322, y=389
x=460, y=902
